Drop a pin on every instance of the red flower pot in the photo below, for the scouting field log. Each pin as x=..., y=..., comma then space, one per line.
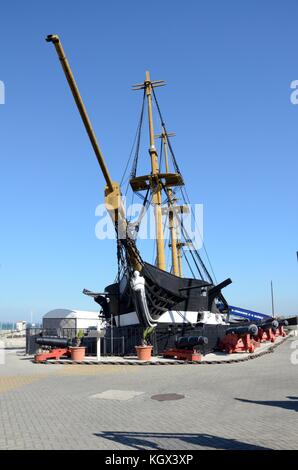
x=77, y=353
x=144, y=352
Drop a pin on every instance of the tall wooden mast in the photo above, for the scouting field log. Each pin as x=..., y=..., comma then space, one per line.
x=175, y=248
x=161, y=262
x=156, y=181
x=173, y=211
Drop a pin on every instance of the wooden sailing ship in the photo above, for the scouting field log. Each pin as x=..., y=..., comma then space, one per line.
x=148, y=294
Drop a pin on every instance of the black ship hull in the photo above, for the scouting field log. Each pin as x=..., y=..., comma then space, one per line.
x=154, y=297
x=125, y=338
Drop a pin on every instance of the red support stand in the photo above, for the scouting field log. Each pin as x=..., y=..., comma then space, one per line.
x=256, y=343
x=182, y=354
x=233, y=343
x=266, y=335
x=52, y=354
x=280, y=331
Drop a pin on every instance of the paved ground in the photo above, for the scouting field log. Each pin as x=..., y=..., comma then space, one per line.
x=247, y=405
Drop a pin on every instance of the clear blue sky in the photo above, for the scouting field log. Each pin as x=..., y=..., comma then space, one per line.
x=228, y=67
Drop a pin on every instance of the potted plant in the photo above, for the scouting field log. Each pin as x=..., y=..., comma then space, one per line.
x=144, y=351
x=77, y=351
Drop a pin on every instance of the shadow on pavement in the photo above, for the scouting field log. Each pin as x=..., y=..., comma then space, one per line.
x=285, y=404
x=152, y=440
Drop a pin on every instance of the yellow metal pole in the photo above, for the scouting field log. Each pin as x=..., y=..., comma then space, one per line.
x=113, y=199
x=180, y=262
x=161, y=262
x=81, y=107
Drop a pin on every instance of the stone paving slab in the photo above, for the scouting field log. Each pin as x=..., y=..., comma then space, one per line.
x=121, y=395
x=252, y=405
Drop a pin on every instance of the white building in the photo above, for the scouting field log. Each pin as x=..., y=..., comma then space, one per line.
x=61, y=319
x=21, y=326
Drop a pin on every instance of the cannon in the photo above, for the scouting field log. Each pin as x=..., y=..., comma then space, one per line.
x=53, y=341
x=269, y=324
x=239, y=339
x=243, y=330
x=186, y=348
x=191, y=342
x=53, y=348
x=266, y=331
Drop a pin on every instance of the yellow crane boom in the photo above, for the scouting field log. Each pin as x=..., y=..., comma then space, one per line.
x=54, y=38
x=113, y=199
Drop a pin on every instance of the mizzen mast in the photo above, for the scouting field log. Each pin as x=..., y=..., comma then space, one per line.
x=173, y=210
x=175, y=248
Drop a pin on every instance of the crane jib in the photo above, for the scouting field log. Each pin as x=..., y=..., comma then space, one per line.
x=81, y=107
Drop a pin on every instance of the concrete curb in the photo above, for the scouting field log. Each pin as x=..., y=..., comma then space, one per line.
x=135, y=362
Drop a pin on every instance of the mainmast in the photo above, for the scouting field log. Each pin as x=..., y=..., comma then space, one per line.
x=155, y=180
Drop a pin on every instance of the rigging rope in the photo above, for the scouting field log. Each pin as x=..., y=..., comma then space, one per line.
x=175, y=163
x=187, y=201
x=188, y=263
x=146, y=204
x=186, y=198
x=136, y=145
x=136, y=139
x=195, y=251
x=136, y=157
x=188, y=240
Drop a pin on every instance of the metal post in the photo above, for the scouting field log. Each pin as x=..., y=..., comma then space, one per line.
x=272, y=300
x=112, y=338
x=98, y=343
